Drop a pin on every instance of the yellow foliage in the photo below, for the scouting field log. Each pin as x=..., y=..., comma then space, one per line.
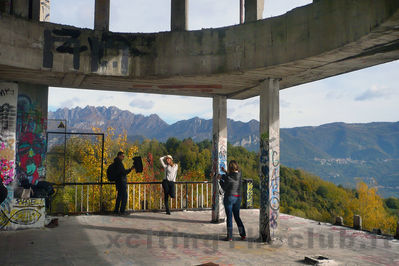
x=370, y=207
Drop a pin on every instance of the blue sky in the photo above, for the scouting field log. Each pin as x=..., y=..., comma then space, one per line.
x=363, y=96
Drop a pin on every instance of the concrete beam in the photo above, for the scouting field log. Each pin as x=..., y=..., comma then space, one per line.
x=179, y=15
x=269, y=161
x=254, y=10
x=309, y=43
x=219, y=155
x=101, y=15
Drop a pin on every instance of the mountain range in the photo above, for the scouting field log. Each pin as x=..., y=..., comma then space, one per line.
x=338, y=152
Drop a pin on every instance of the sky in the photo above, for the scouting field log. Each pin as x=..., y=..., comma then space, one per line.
x=362, y=96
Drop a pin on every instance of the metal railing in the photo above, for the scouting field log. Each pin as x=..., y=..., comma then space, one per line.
x=74, y=198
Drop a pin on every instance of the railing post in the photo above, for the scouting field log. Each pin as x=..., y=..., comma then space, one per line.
x=186, y=196
x=139, y=197
x=76, y=198
x=160, y=196
x=87, y=198
x=357, y=222
x=134, y=196
x=181, y=196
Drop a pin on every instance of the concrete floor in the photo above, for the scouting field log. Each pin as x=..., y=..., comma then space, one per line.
x=187, y=238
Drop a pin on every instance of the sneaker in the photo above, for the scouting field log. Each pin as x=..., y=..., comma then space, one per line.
x=227, y=239
x=168, y=212
x=243, y=238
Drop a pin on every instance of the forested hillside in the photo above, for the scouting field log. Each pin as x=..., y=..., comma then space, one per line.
x=301, y=194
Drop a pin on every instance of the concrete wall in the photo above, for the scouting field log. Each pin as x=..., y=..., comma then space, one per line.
x=23, y=214
x=31, y=131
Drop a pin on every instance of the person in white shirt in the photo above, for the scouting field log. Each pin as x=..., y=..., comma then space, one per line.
x=168, y=183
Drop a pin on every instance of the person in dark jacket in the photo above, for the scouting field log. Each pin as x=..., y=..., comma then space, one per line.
x=121, y=183
x=231, y=184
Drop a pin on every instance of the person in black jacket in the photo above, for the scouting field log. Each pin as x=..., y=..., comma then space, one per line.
x=121, y=183
x=231, y=184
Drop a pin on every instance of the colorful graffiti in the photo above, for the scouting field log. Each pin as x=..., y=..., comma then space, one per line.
x=27, y=212
x=219, y=158
x=269, y=184
x=31, y=146
x=8, y=103
x=45, y=10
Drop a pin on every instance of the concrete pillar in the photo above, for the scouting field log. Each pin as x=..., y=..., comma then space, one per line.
x=219, y=155
x=101, y=15
x=31, y=131
x=38, y=10
x=269, y=161
x=253, y=10
x=339, y=220
x=5, y=6
x=179, y=15
x=8, y=122
x=357, y=222
x=20, y=8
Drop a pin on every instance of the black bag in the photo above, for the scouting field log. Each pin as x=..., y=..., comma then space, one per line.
x=111, y=173
x=138, y=164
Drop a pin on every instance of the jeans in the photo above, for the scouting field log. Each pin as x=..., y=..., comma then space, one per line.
x=232, y=207
x=169, y=190
x=121, y=199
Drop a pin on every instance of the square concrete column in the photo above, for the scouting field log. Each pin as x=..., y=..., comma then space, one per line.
x=219, y=155
x=179, y=15
x=5, y=6
x=8, y=122
x=253, y=10
x=38, y=10
x=357, y=222
x=269, y=161
x=31, y=144
x=101, y=15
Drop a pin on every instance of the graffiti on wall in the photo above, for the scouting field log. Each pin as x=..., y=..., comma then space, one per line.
x=45, y=10
x=219, y=154
x=219, y=158
x=31, y=146
x=24, y=212
x=8, y=106
x=269, y=183
x=70, y=41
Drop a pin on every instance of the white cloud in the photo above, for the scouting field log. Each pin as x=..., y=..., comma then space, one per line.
x=141, y=104
x=373, y=93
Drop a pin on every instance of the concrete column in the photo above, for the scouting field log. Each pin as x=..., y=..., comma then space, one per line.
x=5, y=6
x=37, y=10
x=101, y=15
x=31, y=131
x=357, y=222
x=339, y=220
x=8, y=122
x=269, y=161
x=20, y=8
x=253, y=10
x=179, y=15
x=219, y=155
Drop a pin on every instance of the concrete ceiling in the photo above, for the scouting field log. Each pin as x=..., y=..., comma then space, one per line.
x=309, y=43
